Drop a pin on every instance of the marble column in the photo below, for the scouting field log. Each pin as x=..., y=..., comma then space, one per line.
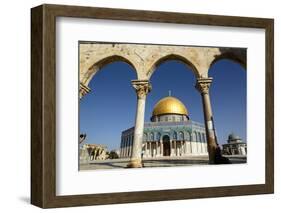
x=175, y=148
x=182, y=150
x=199, y=147
x=171, y=148
x=150, y=149
x=131, y=149
x=161, y=148
x=145, y=152
x=186, y=151
x=142, y=88
x=123, y=149
x=157, y=149
x=121, y=152
x=126, y=147
x=154, y=149
x=203, y=85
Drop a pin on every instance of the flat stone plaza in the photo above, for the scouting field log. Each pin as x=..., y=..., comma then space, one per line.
x=160, y=162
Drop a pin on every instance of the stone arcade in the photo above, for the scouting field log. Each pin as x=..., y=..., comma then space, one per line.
x=145, y=59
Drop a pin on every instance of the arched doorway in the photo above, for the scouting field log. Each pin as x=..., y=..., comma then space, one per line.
x=166, y=146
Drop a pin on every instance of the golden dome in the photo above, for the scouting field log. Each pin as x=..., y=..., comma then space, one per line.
x=169, y=105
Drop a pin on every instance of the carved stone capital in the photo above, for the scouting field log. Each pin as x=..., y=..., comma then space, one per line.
x=142, y=87
x=83, y=90
x=203, y=85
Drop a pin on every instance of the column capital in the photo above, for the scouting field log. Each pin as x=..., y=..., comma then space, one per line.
x=83, y=90
x=203, y=85
x=142, y=87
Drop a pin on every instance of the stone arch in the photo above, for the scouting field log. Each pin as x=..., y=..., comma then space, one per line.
x=203, y=137
x=199, y=137
x=151, y=136
x=181, y=135
x=199, y=144
x=188, y=136
x=98, y=65
x=238, y=55
x=196, y=136
x=175, y=135
x=193, y=137
x=169, y=57
x=165, y=135
x=158, y=136
x=144, y=137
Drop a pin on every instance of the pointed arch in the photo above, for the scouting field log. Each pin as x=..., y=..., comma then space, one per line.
x=145, y=137
x=151, y=138
x=181, y=135
x=175, y=135
x=199, y=137
x=169, y=57
x=238, y=55
x=98, y=65
x=158, y=137
x=188, y=136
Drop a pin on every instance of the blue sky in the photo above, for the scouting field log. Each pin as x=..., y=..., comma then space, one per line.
x=110, y=107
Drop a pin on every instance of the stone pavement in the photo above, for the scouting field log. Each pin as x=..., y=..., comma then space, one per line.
x=159, y=162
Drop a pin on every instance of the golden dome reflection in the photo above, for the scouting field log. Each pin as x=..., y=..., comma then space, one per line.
x=169, y=105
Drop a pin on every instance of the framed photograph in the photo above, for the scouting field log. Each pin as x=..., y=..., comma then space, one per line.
x=137, y=106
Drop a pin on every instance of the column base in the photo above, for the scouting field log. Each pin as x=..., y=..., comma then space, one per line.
x=136, y=163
